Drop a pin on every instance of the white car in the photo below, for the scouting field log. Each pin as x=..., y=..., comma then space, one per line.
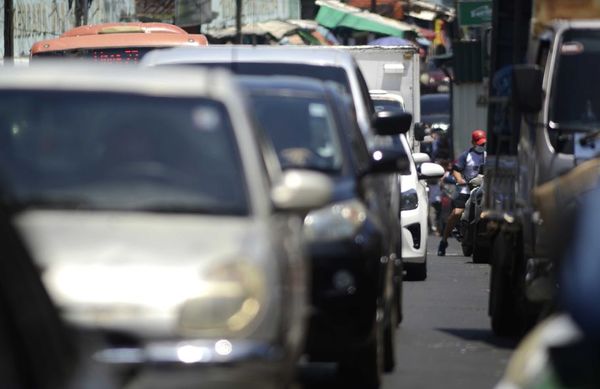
x=414, y=205
x=158, y=218
x=414, y=200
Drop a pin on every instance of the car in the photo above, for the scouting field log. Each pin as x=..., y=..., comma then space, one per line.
x=157, y=217
x=435, y=118
x=355, y=296
x=414, y=200
x=325, y=64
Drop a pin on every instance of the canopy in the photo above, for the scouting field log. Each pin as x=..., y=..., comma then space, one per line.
x=334, y=14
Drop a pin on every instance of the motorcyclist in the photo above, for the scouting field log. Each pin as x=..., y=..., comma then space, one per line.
x=465, y=168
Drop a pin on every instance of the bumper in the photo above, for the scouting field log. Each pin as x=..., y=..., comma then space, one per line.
x=200, y=363
x=414, y=235
x=344, y=293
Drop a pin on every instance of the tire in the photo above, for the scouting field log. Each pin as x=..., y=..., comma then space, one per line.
x=389, y=338
x=502, y=304
x=480, y=254
x=364, y=367
x=417, y=271
x=399, y=295
x=467, y=248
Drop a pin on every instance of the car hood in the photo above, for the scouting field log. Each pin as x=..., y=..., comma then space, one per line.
x=131, y=270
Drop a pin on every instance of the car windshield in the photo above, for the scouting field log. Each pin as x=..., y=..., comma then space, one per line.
x=125, y=55
x=435, y=105
x=302, y=130
x=575, y=97
x=387, y=105
x=119, y=152
x=323, y=73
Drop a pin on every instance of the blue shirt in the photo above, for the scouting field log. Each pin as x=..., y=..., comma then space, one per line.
x=468, y=164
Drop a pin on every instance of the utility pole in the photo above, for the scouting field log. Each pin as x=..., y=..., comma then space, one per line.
x=238, y=20
x=9, y=48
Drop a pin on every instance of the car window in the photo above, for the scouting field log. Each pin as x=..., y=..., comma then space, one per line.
x=302, y=129
x=323, y=73
x=438, y=105
x=387, y=105
x=119, y=152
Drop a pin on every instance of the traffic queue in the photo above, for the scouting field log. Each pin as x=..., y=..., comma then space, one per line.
x=205, y=216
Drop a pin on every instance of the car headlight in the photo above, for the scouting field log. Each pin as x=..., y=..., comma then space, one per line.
x=409, y=200
x=231, y=298
x=338, y=221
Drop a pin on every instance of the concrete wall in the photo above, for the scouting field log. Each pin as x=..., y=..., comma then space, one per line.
x=253, y=11
x=35, y=20
x=468, y=113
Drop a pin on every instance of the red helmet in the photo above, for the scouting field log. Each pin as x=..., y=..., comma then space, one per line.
x=478, y=137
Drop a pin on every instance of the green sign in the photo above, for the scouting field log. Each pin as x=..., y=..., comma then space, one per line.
x=474, y=13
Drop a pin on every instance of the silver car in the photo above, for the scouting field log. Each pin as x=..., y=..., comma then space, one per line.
x=159, y=218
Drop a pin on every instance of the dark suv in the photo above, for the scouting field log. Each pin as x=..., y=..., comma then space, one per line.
x=355, y=295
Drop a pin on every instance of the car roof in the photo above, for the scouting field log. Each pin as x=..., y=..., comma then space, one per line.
x=88, y=76
x=243, y=53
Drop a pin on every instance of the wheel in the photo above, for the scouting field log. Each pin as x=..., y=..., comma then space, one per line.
x=364, y=367
x=417, y=271
x=480, y=254
x=502, y=311
x=399, y=287
x=467, y=248
x=389, y=338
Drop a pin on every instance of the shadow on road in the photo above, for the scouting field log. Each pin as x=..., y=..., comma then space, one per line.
x=480, y=335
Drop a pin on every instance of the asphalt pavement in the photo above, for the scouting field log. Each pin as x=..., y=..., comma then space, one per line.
x=445, y=340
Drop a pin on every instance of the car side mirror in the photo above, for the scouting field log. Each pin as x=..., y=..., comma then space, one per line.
x=419, y=131
x=302, y=190
x=389, y=161
x=528, y=94
x=429, y=170
x=389, y=123
x=420, y=158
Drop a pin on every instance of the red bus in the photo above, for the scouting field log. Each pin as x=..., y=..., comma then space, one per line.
x=115, y=42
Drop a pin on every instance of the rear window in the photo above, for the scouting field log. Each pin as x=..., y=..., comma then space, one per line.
x=437, y=105
x=323, y=73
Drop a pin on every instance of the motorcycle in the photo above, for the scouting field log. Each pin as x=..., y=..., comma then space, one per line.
x=473, y=229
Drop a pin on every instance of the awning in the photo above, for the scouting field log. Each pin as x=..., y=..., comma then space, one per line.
x=334, y=14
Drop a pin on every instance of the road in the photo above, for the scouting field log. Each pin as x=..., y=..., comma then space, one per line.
x=445, y=339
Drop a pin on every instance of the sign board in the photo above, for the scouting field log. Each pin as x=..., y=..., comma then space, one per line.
x=474, y=13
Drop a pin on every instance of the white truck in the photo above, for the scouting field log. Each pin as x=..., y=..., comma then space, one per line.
x=394, y=69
